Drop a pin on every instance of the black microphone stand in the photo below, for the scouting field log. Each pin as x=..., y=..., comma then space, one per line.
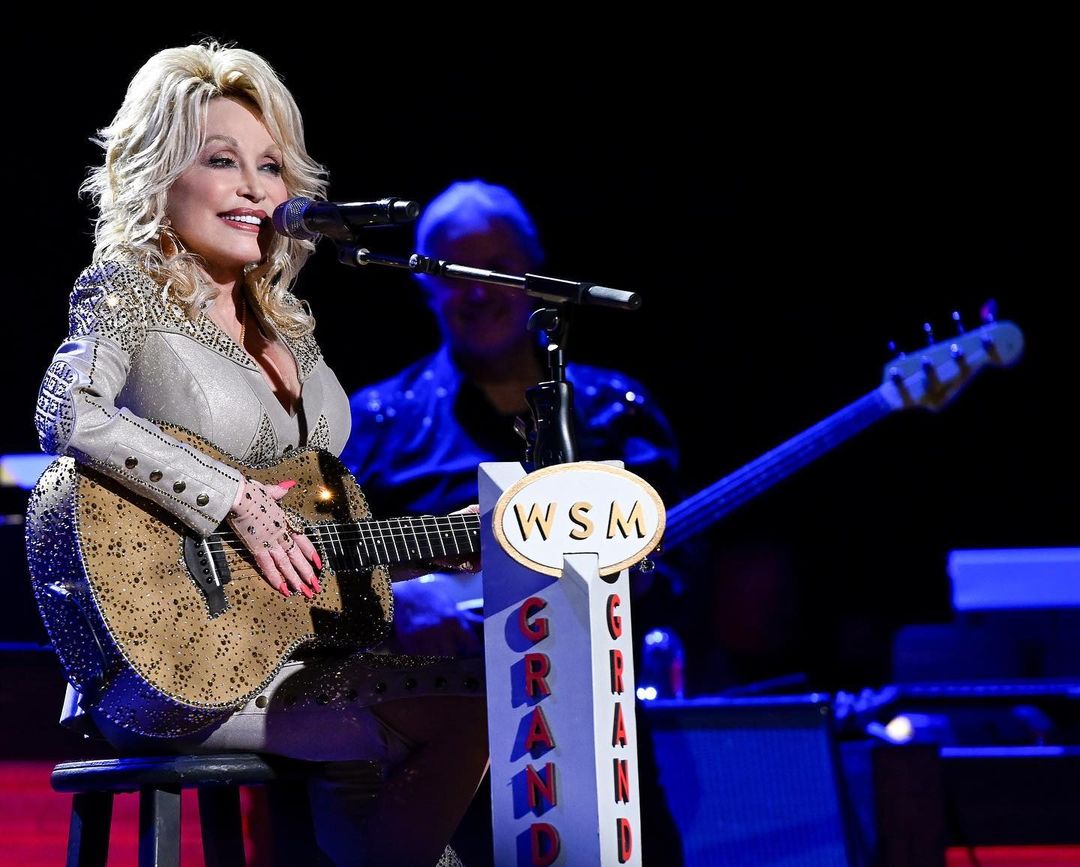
x=551, y=440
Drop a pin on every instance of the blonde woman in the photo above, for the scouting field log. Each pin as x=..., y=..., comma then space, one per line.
x=186, y=320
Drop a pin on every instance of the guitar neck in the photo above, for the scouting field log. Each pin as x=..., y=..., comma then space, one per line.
x=707, y=506
x=387, y=542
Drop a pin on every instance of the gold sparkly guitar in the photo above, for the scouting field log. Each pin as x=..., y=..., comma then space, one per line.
x=167, y=632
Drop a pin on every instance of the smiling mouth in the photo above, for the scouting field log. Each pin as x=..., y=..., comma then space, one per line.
x=243, y=221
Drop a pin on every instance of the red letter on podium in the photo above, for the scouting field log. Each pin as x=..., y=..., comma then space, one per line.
x=616, y=671
x=533, y=631
x=539, y=733
x=618, y=731
x=622, y=781
x=538, y=833
x=626, y=839
x=535, y=786
x=537, y=668
x=614, y=621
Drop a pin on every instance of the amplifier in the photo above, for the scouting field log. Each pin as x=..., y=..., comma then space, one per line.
x=755, y=781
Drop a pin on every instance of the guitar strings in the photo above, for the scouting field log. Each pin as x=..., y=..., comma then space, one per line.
x=458, y=529
x=369, y=529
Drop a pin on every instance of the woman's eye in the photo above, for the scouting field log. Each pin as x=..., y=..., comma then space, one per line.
x=273, y=168
x=221, y=162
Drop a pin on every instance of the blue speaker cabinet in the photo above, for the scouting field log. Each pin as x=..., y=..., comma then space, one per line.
x=754, y=781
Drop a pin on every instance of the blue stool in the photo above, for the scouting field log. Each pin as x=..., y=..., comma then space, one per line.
x=159, y=779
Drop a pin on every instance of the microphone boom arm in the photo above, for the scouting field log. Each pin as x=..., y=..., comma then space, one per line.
x=548, y=288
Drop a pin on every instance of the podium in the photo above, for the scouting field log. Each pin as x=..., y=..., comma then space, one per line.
x=558, y=639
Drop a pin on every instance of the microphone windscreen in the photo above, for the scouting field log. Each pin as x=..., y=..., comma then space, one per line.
x=289, y=219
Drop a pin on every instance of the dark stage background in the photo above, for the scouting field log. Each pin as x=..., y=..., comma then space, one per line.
x=784, y=215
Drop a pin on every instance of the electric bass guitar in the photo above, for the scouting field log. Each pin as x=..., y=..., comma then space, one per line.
x=927, y=379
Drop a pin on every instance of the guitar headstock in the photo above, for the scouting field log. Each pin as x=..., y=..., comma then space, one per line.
x=932, y=376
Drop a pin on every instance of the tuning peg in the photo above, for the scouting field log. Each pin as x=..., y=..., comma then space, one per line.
x=959, y=323
x=893, y=350
x=930, y=372
x=928, y=329
x=988, y=312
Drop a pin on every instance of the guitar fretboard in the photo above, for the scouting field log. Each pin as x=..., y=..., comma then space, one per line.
x=360, y=544
x=698, y=511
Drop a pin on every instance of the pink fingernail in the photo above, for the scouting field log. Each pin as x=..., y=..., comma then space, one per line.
x=306, y=591
x=315, y=584
x=287, y=484
x=318, y=561
x=284, y=588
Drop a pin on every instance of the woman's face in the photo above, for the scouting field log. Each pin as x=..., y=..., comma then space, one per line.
x=221, y=206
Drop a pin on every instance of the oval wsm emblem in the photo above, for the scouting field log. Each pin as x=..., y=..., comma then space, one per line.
x=584, y=507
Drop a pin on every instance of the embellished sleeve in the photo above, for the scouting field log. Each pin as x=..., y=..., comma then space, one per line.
x=77, y=412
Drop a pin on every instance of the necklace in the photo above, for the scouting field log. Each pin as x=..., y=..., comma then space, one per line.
x=243, y=322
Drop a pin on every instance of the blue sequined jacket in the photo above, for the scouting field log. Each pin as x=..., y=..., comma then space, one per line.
x=419, y=436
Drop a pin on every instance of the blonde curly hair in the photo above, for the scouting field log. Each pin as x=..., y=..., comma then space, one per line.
x=157, y=134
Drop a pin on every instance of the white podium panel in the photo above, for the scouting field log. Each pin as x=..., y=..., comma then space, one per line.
x=560, y=681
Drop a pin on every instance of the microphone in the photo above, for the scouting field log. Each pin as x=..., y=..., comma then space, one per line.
x=305, y=219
